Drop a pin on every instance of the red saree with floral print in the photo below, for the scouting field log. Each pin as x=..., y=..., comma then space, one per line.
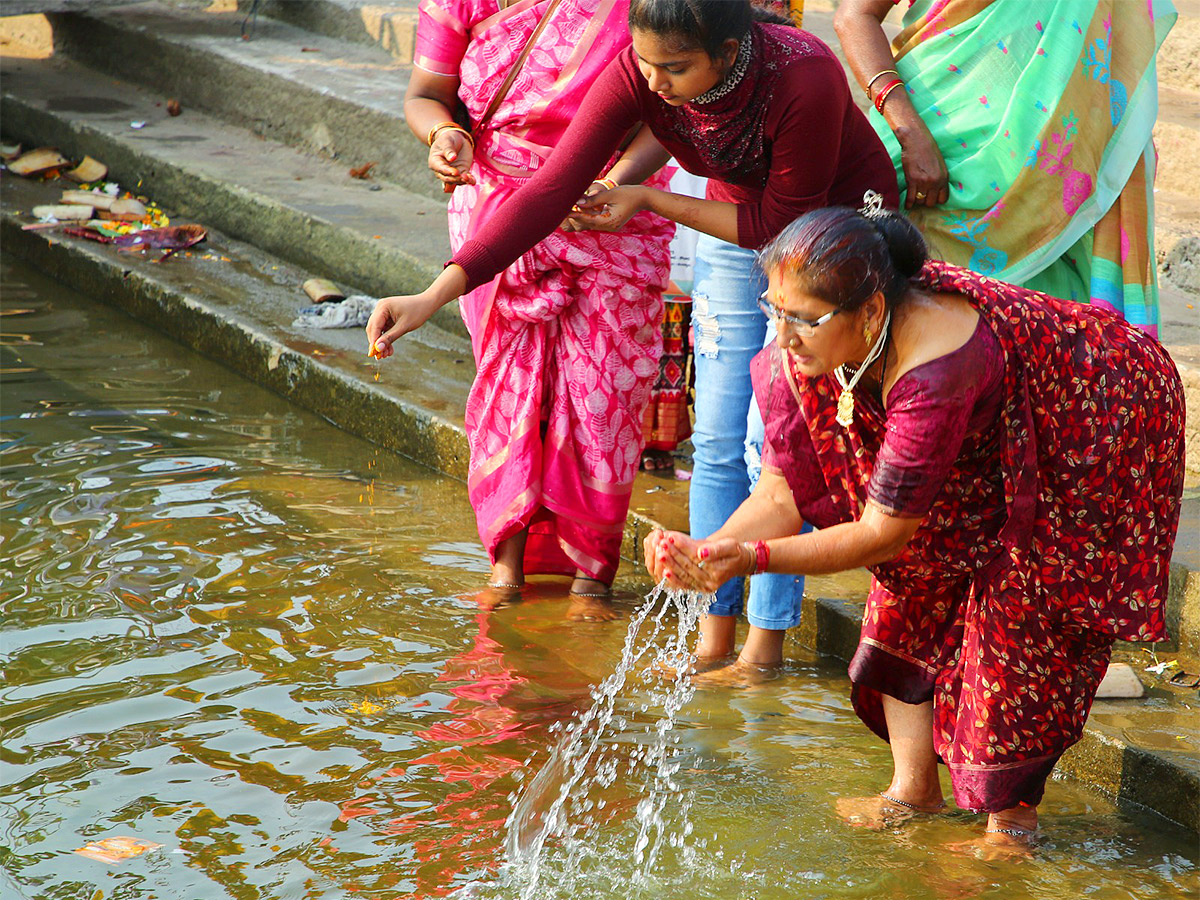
x=1045, y=459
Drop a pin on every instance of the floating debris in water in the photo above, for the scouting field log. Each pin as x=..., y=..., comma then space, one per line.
x=365, y=707
x=115, y=849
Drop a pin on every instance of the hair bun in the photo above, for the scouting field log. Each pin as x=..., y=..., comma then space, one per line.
x=905, y=244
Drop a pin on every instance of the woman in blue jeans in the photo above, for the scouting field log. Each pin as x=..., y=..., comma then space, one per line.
x=730, y=329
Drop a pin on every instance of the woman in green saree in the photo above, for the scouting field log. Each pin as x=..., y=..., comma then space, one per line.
x=1021, y=133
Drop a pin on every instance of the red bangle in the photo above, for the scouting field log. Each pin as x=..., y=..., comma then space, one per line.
x=883, y=93
x=762, y=557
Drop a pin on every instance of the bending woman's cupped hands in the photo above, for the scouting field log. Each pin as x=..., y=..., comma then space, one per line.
x=688, y=564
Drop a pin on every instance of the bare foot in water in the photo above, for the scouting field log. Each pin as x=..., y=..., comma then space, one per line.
x=498, y=594
x=880, y=812
x=992, y=845
x=736, y=674
x=591, y=601
x=669, y=670
x=591, y=609
x=658, y=461
x=1010, y=834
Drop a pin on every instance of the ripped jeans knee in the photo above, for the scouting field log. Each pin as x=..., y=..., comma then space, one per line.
x=708, y=328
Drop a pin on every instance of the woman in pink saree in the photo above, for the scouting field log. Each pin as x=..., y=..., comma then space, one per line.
x=566, y=339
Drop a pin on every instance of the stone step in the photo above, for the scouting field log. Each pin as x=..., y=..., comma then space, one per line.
x=343, y=99
x=302, y=207
x=333, y=97
x=234, y=303
x=389, y=26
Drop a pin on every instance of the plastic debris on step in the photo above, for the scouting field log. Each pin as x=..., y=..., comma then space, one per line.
x=363, y=171
x=353, y=312
x=1158, y=668
x=1185, y=680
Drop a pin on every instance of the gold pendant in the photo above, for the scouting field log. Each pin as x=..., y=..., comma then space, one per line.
x=845, y=409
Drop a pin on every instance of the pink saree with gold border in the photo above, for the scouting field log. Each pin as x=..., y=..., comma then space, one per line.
x=566, y=340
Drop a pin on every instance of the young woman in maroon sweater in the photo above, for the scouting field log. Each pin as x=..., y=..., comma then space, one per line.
x=765, y=112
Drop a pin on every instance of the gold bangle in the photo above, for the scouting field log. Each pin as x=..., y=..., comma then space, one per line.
x=876, y=77
x=749, y=548
x=453, y=126
x=607, y=182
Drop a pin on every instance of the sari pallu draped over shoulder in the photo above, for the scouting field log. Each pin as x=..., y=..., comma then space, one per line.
x=566, y=340
x=1043, y=112
x=1049, y=539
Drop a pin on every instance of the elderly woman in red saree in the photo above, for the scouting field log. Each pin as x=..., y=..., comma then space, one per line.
x=566, y=339
x=1008, y=465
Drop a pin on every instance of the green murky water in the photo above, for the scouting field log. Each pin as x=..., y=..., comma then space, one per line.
x=235, y=631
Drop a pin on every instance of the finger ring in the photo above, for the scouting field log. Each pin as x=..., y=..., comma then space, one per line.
x=700, y=565
x=920, y=195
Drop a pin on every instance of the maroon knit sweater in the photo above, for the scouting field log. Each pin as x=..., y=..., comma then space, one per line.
x=784, y=139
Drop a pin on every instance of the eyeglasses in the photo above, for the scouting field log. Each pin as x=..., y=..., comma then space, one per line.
x=802, y=327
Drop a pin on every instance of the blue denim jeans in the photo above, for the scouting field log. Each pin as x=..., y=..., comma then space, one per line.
x=730, y=329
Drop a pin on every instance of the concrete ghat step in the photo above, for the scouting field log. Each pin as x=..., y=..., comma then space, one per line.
x=300, y=207
x=343, y=100
x=388, y=26
x=336, y=97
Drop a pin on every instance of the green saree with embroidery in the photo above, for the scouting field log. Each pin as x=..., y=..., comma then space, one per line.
x=1043, y=112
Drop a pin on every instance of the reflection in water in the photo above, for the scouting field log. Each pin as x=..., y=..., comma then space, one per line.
x=211, y=643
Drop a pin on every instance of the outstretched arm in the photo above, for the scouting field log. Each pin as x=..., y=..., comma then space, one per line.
x=609, y=110
x=394, y=317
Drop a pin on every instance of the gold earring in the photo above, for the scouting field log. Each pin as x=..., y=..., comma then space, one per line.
x=867, y=334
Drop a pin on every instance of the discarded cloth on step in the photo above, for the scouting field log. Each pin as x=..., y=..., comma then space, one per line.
x=353, y=312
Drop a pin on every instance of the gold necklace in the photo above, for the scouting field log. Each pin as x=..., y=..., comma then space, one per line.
x=845, y=404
